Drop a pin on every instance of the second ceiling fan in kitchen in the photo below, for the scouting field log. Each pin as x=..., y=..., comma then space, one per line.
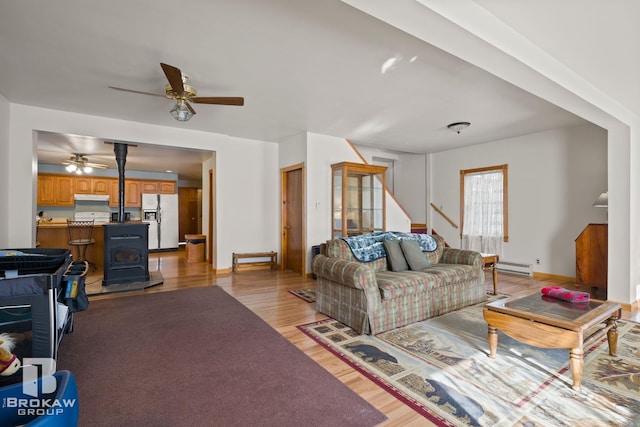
x=183, y=94
x=80, y=164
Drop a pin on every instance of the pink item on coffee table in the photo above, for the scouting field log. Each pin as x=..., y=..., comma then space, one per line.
x=565, y=294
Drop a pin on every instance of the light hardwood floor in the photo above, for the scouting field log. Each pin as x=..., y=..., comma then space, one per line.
x=265, y=292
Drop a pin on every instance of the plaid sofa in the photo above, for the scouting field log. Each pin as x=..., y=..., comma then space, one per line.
x=370, y=298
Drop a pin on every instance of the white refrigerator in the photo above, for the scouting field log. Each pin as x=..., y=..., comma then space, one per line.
x=161, y=212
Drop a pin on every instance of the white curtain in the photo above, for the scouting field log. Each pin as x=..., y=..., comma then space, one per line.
x=483, y=229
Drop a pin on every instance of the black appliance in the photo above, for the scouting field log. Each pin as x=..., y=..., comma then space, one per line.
x=126, y=253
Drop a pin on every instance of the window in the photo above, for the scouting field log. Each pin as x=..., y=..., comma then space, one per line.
x=483, y=209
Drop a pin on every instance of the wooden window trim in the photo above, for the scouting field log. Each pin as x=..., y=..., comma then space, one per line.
x=505, y=195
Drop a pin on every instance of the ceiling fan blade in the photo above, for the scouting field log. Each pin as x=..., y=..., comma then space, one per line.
x=97, y=165
x=190, y=108
x=174, y=76
x=137, y=91
x=222, y=100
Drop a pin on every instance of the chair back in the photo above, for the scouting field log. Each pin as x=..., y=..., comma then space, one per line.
x=80, y=232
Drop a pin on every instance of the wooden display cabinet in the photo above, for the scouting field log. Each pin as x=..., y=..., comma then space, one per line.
x=358, y=199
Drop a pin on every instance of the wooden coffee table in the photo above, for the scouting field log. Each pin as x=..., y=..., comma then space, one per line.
x=548, y=322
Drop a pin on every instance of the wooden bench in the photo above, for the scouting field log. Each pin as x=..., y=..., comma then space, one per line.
x=273, y=259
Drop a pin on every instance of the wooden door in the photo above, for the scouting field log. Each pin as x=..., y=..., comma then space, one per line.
x=188, y=214
x=293, y=230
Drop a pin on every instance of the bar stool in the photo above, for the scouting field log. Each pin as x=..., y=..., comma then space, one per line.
x=81, y=236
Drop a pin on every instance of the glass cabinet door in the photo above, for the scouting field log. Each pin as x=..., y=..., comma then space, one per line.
x=358, y=199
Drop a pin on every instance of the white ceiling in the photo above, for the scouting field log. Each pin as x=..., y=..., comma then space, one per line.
x=53, y=148
x=301, y=65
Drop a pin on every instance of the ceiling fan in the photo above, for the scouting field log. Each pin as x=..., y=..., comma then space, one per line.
x=80, y=164
x=183, y=93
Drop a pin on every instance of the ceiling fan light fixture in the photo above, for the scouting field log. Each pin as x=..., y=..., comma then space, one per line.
x=180, y=111
x=457, y=127
x=79, y=164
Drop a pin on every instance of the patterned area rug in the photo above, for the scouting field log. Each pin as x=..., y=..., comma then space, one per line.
x=441, y=368
x=309, y=295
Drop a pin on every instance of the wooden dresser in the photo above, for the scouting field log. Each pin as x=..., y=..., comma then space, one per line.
x=592, y=260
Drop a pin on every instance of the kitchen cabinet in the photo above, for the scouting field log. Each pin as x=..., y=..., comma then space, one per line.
x=101, y=185
x=46, y=190
x=155, y=187
x=65, y=190
x=91, y=185
x=56, y=235
x=149, y=187
x=83, y=185
x=167, y=187
x=132, y=193
x=358, y=202
x=113, y=193
x=56, y=190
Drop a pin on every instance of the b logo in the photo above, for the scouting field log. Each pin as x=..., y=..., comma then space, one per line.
x=30, y=376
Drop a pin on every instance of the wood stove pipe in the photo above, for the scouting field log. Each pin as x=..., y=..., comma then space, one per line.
x=121, y=158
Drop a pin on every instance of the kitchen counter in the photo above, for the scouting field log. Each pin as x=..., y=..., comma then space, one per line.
x=54, y=234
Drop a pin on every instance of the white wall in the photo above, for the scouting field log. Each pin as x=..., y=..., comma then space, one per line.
x=4, y=171
x=246, y=175
x=554, y=178
x=411, y=186
x=248, y=198
x=292, y=150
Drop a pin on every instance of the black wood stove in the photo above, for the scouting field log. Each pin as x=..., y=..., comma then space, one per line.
x=126, y=243
x=126, y=252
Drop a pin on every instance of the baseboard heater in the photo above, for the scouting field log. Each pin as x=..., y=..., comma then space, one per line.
x=516, y=268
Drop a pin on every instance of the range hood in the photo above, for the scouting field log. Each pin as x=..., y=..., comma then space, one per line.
x=92, y=197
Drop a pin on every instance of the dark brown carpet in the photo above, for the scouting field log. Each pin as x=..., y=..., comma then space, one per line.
x=198, y=357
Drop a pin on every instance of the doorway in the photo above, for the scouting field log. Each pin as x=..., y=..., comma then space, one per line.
x=189, y=208
x=292, y=217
